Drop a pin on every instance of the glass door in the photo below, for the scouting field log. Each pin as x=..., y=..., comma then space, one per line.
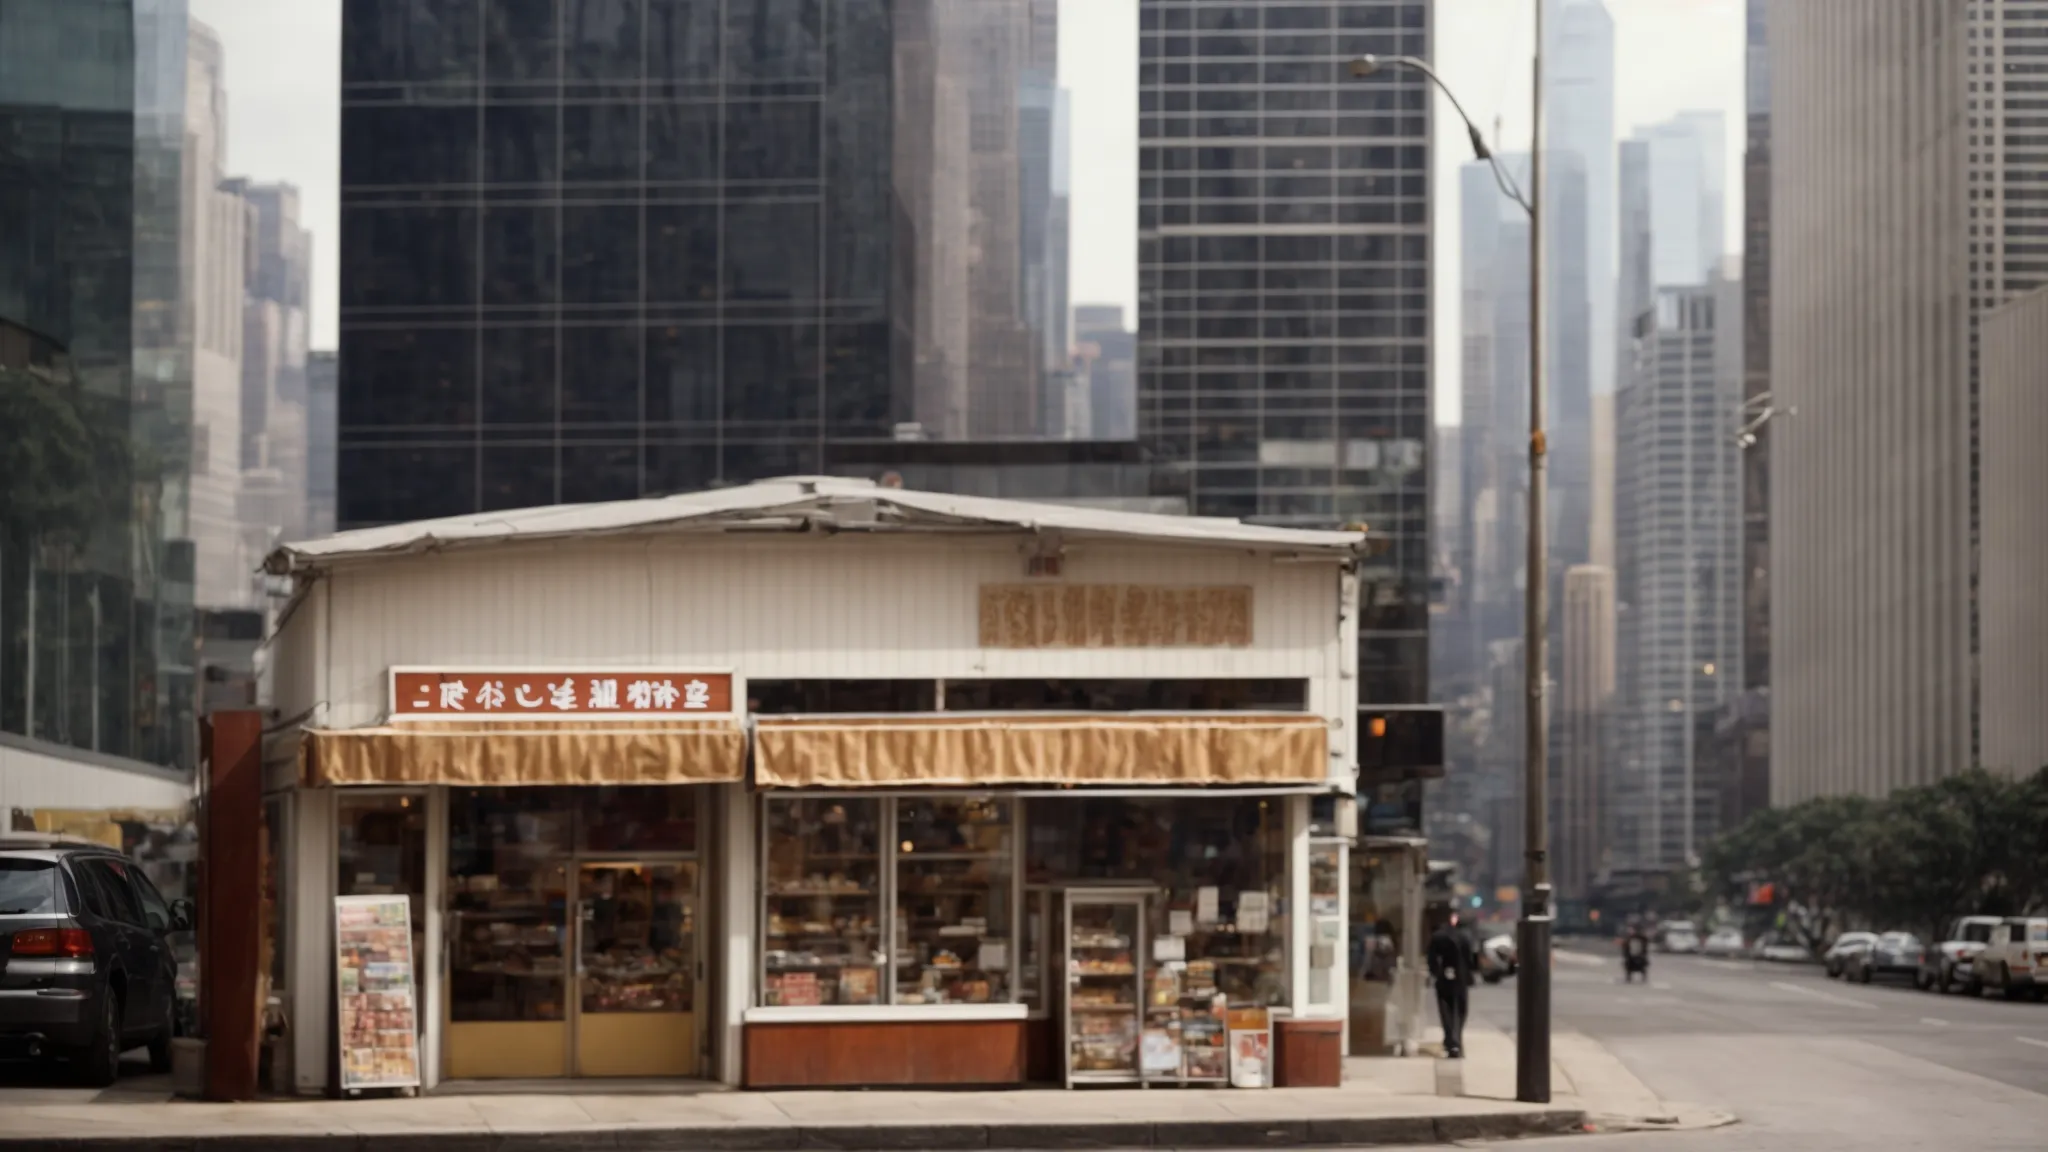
x=1104, y=966
x=636, y=968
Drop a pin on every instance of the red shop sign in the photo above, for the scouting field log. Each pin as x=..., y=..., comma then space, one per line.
x=489, y=693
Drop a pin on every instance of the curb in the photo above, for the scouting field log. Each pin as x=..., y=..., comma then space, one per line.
x=1360, y=1132
x=1675, y=1118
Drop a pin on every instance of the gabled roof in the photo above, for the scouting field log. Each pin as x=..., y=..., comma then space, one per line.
x=824, y=503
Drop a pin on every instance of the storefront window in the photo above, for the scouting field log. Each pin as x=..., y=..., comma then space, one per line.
x=508, y=897
x=953, y=903
x=823, y=890
x=1217, y=868
x=638, y=819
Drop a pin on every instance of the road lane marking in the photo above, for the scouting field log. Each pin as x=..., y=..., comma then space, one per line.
x=2031, y=1040
x=1932, y=1021
x=1827, y=996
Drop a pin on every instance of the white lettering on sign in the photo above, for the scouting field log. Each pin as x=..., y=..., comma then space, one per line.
x=563, y=695
x=492, y=693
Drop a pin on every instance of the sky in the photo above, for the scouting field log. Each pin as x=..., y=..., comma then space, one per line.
x=284, y=70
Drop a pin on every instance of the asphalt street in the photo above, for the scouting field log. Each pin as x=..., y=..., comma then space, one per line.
x=1806, y=1062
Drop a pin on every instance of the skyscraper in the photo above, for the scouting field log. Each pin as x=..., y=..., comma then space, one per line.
x=1678, y=539
x=75, y=655
x=1687, y=174
x=1284, y=269
x=1756, y=350
x=275, y=319
x=599, y=250
x=2014, y=612
x=1494, y=384
x=1879, y=276
x=1579, y=69
x=214, y=231
x=321, y=378
x=1585, y=699
x=1107, y=357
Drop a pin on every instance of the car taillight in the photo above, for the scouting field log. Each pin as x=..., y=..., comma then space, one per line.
x=75, y=943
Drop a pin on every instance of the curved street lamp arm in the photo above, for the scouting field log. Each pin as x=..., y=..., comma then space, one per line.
x=1367, y=65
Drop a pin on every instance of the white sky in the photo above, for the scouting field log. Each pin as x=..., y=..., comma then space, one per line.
x=1099, y=70
x=284, y=72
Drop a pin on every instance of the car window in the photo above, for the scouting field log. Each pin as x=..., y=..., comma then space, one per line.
x=92, y=892
x=1977, y=933
x=2037, y=932
x=109, y=879
x=27, y=887
x=154, y=908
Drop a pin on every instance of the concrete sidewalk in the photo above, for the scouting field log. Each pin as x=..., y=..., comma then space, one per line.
x=1383, y=1102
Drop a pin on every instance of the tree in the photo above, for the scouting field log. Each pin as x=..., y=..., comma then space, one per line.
x=65, y=460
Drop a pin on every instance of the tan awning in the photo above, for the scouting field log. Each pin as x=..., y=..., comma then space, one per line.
x=1082, y=749
x=456, y=752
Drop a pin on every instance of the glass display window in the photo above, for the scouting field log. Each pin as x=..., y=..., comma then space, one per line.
x=508, y=863
x=1104, y=995
x=1219, y=867
x=822, y=890
x=954, y=904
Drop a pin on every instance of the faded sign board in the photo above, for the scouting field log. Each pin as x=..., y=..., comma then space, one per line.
x=1115, y=616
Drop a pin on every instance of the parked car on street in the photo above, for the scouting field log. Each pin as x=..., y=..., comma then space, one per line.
x=1779, y=948
x=1951, y=964
x=2015, y=961
x=1845, y=945
x=1895, y=955
x=1725, y=942
x=86, y=971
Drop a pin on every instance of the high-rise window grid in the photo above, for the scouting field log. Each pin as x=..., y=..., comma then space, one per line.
x=1284, y=284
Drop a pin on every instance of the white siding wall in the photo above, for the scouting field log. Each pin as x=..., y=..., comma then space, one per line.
x=32, y=777
x=837, y=608
x=294, y=658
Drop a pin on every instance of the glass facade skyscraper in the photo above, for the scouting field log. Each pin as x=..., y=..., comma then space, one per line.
x=595, y=249
x=1284, y=292
x=82, y=651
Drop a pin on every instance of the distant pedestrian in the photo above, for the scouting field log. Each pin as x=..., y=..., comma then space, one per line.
x=1452, y=964
x=1635, y=955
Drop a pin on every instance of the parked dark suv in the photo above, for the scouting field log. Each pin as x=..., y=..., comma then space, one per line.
x=85, y=969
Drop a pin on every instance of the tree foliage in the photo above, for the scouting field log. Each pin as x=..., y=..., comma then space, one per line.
x=1972, y=843
x=65, y=459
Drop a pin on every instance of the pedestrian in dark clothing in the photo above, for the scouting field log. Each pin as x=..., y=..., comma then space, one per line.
x=1635, y=955
x=1451, y=965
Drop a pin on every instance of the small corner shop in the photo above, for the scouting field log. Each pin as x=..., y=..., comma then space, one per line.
x=976, y=843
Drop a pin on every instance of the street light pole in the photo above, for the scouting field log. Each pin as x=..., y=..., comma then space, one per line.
x=1532, y=932
x=1532, y=936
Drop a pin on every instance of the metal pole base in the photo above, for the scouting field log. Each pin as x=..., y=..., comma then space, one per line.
x=1532, y=1010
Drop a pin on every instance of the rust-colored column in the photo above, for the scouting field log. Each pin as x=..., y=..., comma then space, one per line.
x=231, y=902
